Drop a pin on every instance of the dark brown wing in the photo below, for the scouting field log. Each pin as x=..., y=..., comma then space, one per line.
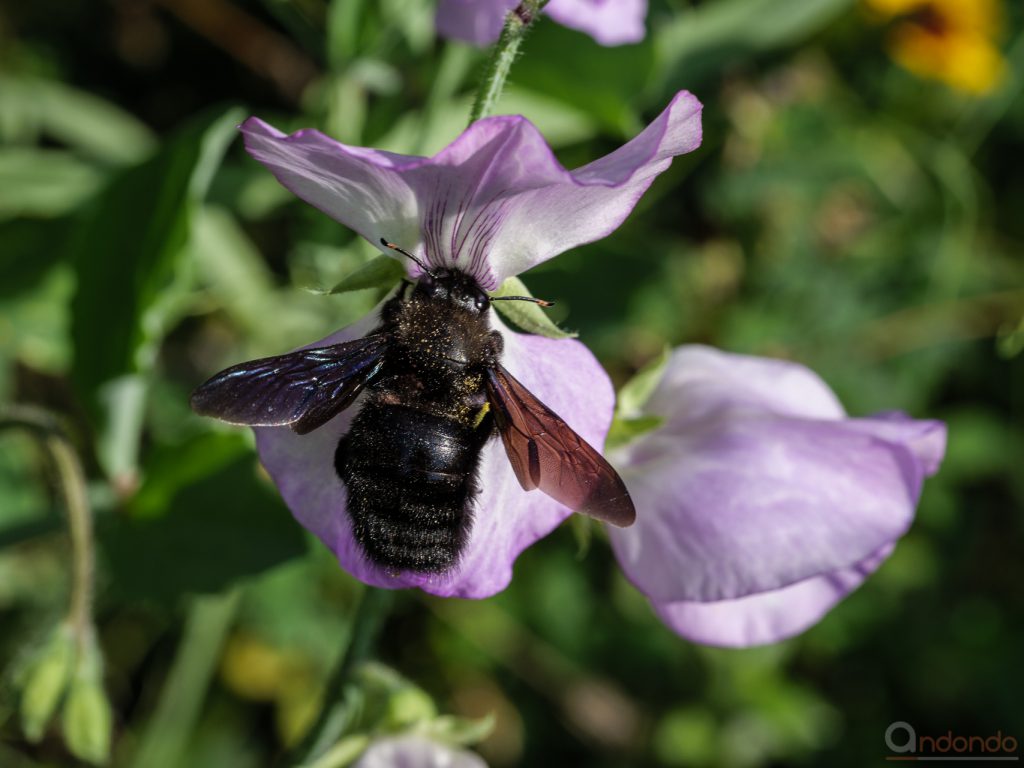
x=545, y=453
x=303, y=389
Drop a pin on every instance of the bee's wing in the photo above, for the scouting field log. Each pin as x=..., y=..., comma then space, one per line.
x=545, y=453
x=303, y=389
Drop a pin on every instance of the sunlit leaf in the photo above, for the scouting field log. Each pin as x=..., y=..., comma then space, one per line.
x=382, y=272
x=706, y=37
x=526, y=315
x=126, y=250
x=43, y=182
x=225, y=526
x=81, y=120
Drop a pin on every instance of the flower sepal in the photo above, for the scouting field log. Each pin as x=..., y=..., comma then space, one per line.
x=526, y=315
x=390, y=720
x=382, y=272
x=631, y=399
x=631, y=422
x=625, y=430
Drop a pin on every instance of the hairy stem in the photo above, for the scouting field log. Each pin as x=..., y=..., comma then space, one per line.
x=517, y=24
x=45, y=427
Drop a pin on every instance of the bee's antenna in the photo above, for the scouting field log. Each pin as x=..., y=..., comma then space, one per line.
x=542, y=302
x=404, y=252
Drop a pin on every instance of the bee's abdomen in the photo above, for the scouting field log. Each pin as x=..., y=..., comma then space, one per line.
x=410, y=477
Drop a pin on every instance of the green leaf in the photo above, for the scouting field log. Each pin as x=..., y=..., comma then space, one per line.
x=43, y=182
x=35, y=325
x=93, y=125
x=169, y=469
x=29, y=248
x=126, y=251
x=228, y=525
x=571, y=68
x=25, y=493
x=342, y=36
x=165, y=739
x=526, y=315
x=696, y=43
x=232, y=269
x=382, y=272
x=81, y=120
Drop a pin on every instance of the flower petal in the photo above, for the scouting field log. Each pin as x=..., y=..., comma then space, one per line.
x=699, y=381
x=739, y=494
x=609, y=22
x=769, y=616
x=411, y=751
x=474, y=21
x=575, y=208
x=493, y=203
x=562, y=373
x=362, y=188
x=925, y=438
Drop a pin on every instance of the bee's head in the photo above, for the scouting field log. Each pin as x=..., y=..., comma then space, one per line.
x=456, y=287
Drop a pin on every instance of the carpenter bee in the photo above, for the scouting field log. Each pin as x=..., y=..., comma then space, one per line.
x=435, y=393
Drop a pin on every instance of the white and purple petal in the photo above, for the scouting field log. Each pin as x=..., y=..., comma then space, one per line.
x=609, y=22
x=757, y=492
x=478, y=22
x=413, y=751
x=507, y=519
x=493, y=203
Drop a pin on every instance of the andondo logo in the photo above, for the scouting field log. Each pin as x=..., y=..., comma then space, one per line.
x=906, y=744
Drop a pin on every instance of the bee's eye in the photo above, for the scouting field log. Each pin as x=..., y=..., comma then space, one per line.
x=427, y=283
x=481, y=302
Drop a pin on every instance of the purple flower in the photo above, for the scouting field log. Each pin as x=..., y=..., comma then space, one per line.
x=760, y=504
x=609, y=22
x=493, y=203
x=412, y=751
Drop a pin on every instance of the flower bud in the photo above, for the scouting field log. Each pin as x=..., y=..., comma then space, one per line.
x=408, y=706
x=87, y=713
x=45, y=681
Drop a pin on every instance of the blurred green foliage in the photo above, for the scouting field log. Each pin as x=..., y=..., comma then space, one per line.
x=841, y=212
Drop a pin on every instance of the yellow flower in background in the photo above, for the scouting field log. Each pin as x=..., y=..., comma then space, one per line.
x=949, y=40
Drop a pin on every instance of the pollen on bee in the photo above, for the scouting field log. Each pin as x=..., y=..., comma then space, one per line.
x=480, y=415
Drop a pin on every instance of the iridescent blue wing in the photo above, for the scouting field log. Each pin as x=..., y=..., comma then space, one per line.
x=546, y=453
x=303, y=389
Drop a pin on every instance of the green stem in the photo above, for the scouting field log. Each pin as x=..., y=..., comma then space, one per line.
x=366, y=625
x=165, y=740
x=44, y=425
x=517, y=24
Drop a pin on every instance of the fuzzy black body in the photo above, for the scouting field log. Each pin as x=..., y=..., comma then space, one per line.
x=409, y=461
